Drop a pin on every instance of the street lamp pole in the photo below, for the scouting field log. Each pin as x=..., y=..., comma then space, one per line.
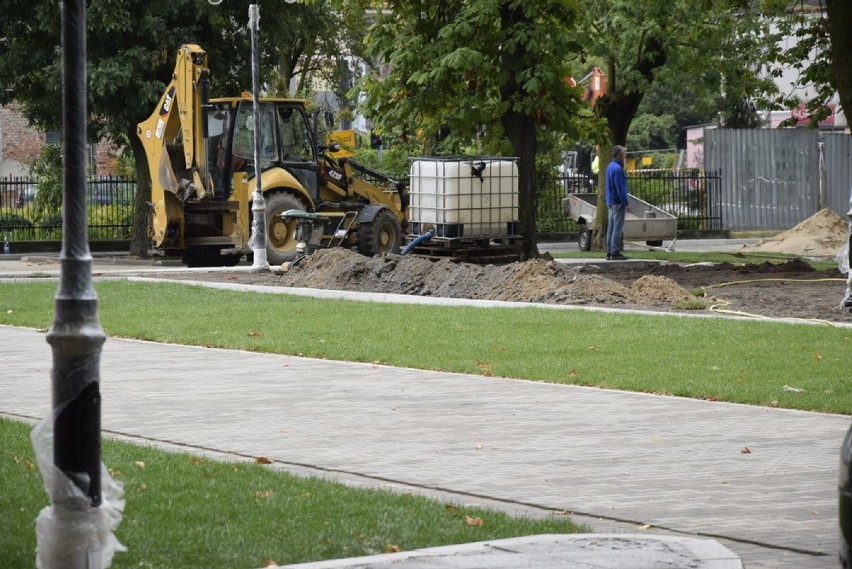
x=74, y=532
x=258, y=203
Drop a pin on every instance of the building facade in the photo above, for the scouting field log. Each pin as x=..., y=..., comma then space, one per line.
x=21, y=143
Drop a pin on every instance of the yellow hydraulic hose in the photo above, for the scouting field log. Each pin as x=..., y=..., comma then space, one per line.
x=719, y=306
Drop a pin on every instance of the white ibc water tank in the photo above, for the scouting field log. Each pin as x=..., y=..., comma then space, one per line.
x=464, y=197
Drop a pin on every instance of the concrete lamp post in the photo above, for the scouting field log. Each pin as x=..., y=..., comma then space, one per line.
x=258, y=203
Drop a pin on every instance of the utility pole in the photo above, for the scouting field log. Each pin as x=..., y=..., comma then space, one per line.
x=73, y=532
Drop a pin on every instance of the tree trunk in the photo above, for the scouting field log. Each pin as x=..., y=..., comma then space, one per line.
x=139, y=240
x=521, y=132
x=619, y=110
x=619, y=107
x=520, y=129
x=839, y=24
x=599, y=239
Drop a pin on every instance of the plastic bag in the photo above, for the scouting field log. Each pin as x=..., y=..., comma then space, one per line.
x=70, y=528
x=842, y=259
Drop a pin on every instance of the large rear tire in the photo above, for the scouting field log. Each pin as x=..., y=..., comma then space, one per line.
x=380, y=237
x=281, y=234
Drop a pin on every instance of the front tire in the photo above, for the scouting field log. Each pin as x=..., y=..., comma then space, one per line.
x=380, y=237
x=281, y=234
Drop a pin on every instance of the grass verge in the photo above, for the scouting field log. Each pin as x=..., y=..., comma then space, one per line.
x=707, y=358
x=188, y=512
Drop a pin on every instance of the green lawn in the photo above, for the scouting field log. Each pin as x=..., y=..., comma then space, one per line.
x=186, y=512
x=709, y=358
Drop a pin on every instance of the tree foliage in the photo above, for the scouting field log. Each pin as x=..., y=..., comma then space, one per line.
x=687, y=106
x=475, y=75
x=131, y=55
x=819, y=51
x=47, y=168
x=653, y=132
x=699, y=45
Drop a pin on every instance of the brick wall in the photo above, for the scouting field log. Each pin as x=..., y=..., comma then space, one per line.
x=20, y=144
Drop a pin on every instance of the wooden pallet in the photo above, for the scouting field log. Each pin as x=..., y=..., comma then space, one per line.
x=483, y=251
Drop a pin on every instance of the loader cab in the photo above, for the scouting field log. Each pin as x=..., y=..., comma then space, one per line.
x=285, y=138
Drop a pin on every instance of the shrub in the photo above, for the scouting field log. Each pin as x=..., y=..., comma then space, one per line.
x=16, y=227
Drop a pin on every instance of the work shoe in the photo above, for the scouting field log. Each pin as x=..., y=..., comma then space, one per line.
x=617, y=257
x=608, y=257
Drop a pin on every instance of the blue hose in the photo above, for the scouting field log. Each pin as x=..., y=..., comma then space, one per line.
x=420, y=239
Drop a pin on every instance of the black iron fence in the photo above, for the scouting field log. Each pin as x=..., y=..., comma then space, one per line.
x=691, y=196
x=26, y=216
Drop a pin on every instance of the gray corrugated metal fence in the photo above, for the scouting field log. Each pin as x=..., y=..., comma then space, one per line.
x=838, y=166
x=771, y=177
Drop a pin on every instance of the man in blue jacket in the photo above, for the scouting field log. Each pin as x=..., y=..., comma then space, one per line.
x=616, y=203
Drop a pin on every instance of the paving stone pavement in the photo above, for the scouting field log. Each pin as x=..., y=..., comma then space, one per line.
x=619, y=461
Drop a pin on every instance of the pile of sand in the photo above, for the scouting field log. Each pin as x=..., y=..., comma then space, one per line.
x=821, y=235
x=537, y=280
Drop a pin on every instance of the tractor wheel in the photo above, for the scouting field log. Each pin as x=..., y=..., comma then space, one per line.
x=380, y=237
x=280, y=234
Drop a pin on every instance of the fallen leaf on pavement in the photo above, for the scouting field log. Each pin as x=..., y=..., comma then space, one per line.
x=262, y=460
x=745, y=450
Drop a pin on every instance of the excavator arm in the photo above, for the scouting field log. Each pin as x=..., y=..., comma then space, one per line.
x=174, y=139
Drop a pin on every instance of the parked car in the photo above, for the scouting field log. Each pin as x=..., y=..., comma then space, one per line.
x=845, y=505
x=26, y=195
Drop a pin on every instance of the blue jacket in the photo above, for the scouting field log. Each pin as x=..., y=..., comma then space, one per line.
x=616, y=184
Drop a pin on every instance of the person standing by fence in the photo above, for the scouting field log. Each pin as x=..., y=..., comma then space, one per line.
x=616, y=203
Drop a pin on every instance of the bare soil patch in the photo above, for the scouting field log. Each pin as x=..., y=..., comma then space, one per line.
x=788, y=290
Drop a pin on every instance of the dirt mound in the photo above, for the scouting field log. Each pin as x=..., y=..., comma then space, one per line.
x=538, y=280
x=652, y=288
x=821, y=235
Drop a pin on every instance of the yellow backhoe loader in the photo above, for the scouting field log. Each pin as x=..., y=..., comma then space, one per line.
x=200, y=155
